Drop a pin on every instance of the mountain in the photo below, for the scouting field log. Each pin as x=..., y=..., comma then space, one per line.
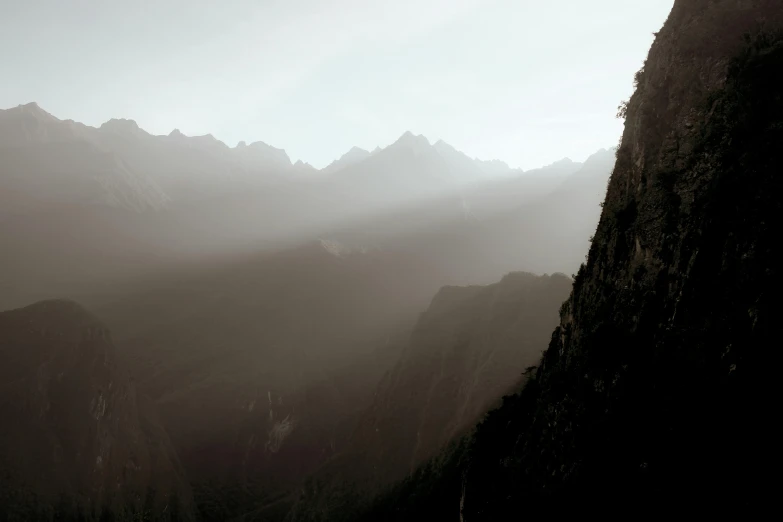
x=464, y=353
x=467, y=170
x=181, y=167
x=301, y=168
x=541, y=221
x=76, y=438
x=409, y=170
x=355, y=155
x=259, y=153
x=260, y=365
x=49, y=162
x=656, y=391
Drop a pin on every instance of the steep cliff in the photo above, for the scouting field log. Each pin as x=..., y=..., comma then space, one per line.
x=76, y=441
x=656, y=391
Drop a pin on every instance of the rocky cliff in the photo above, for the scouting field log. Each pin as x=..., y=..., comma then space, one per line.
x=655, y=394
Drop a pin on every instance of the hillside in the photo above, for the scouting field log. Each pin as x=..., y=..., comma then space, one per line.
x=260, y=364
x=466, y=351
x=77, y=439
x=655, y=391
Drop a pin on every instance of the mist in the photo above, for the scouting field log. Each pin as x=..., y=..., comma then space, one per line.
x=271, y=260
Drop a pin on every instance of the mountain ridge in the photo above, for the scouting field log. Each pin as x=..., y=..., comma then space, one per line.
x=127, y=126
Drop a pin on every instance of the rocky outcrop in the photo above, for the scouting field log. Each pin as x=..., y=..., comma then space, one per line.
x=76, y=440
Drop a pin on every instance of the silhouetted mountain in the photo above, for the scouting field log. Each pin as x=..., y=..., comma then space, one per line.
x=77, y=440
x=654, y=395
x=465, y=352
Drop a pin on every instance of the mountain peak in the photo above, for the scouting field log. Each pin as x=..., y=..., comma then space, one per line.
x=564, y=161
x=263, y=153
x=354, y=155
x=409, y=136
x=176, y=134
x=120, y=125
x=32, y=109
x=417, y=142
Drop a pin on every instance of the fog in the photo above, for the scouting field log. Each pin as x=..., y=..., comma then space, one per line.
x=259, y=229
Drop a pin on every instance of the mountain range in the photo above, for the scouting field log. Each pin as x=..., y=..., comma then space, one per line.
x=258, y=304
x=395, y=337
x=125, y=166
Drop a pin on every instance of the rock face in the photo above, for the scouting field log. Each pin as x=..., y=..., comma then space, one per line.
x=655, y=393
x=467, y=350
x=76, y=440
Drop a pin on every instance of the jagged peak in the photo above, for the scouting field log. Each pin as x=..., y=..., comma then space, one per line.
x=121, y=125
x=303, y=165
x=564, y=161
x=121, y=121
x=355, y=153
x=418, y=143
x=408, y=136
x=210, y=139
x=176, y=134
x=261, y=145
x=442, y=145
x=33, y=110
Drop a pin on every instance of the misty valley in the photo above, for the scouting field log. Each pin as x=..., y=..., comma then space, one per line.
x=191, y=331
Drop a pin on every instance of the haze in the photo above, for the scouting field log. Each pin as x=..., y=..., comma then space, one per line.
x=522, y=81
x=335, y=261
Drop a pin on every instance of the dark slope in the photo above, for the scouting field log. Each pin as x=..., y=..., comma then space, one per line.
x=76, y=440
x=260, y=365
x=656, y=392
x=465, y=352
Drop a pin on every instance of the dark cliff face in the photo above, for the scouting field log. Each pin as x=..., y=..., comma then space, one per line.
x=76, y=440
x=655, y=393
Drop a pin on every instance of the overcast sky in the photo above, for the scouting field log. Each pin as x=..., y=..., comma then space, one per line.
x=525, y=81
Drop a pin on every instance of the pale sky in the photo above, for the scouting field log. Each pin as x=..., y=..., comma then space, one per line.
x=528, y=82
